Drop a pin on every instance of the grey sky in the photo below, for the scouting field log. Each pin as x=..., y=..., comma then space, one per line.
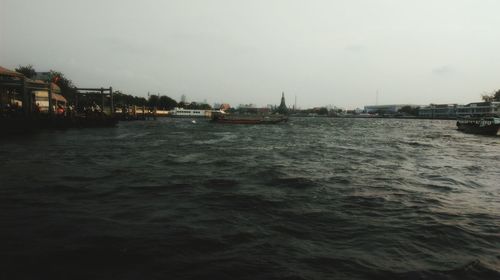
x=337, y=52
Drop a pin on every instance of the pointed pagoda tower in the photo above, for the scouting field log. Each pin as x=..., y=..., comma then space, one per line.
x=282, y=109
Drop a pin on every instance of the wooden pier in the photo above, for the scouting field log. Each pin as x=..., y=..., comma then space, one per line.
x=131, y=113
x=29, y=105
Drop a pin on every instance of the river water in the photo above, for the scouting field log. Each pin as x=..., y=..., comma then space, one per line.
x=315, y=198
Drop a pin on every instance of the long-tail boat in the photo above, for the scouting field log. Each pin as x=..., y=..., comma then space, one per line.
x=248, y=119
x=479, y=125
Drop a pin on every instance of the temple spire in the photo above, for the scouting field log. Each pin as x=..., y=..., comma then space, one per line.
x=282, y=109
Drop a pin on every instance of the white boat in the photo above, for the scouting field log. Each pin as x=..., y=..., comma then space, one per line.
x=190, y=113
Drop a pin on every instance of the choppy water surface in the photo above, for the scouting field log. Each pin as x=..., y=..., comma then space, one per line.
x=311, y=199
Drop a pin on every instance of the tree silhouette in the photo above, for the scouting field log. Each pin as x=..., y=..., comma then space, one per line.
x=122, y=99
x=198, y=106
x=409, y=110
x=153, y=101
x=66, y=85
x=28, y=71
x=166, y=103
x=495, y=96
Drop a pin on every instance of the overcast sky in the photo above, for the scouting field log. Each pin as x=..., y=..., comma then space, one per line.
x=338, y=52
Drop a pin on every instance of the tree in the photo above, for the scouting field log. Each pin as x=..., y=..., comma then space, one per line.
x=66, y=85
x=198, y=106
x=122, y=99
x=153, y=101
x=323, y=111
x=182, y=104
x=28, y=71
x=162, y=102
x=139, y=101
x=409, y=110
x=497, y=95
x=166, y=103
x=494, y=96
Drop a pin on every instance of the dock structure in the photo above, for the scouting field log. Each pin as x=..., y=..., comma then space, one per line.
x=132, y=113
x=35, y=96
x=101, y=93
x=18, y=92
x=27, y=105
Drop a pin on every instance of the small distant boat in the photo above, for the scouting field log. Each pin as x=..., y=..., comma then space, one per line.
x=479, y=125
x=248, y=119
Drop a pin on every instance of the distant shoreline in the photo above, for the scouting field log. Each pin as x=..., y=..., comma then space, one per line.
x=374, y=117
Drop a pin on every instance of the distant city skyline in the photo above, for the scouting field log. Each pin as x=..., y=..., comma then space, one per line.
x=338, y=53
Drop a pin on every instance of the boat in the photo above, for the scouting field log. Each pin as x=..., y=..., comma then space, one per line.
x=189, y=113
x=479, y=125
x=248, y=119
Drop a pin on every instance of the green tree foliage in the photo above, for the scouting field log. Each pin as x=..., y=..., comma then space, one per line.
x=28, y=71
x=153, y=101
x=409, y=110
x=66, y=85
x=198, y=106
x=494, y=96
x=166, y=103
x=323, y=111
x=319, y=111
x=162, y=102
x=122, y=99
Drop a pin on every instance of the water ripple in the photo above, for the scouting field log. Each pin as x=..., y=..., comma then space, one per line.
x=316, y=198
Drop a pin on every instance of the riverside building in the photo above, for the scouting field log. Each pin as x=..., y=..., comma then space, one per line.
x=438, y=111
x=454, y=110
